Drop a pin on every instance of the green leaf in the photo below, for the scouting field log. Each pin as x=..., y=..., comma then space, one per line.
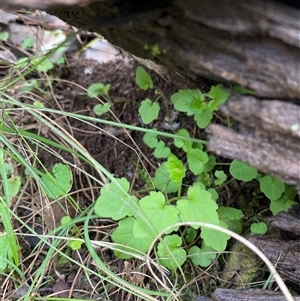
x=131, y=244
x=161, y=151
x=218, y=96
x=231, y=217
x=285, y=202
x=205, y=179
x=243, y=90
x=189, y=101
x=162, y=180
x=216, y=239
x=159, y=213
x=229, y=213
x=204, y=118
x=150, y=139
x=199, y=207
x=271, y=187
x=149, y=110
x=9, y=241
x=190, y=235
x=101, y=109
x=59, y=182
x=143, y=79
x=202, y=257
x=180, y=143
x=43, y=64
x=27, y=43
x=176, y=169
x=14, y=184
x=98, y=89
x=114, y=201
x=259, y=228
x=242, y=171
x=210, y=165
x=75, y=244
x=196, y=160
x=220, y=177
x=4, y=35
x=4, y=250
x=170, y=253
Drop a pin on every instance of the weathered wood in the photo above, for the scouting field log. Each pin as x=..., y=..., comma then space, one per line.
x=43, y=5
x=287, y=221
x=222, y=294
x=284, y=254
x=266, y=135
x=253, y=44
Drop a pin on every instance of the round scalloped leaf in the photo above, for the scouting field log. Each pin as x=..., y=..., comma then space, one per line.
x=259, y=228
x=149, y=110
x=242, y=171
x=59, y=182
x=271, y=187
x=202, y=257
x=114, y=201
x=162, y=180
x=130, y=243
x=170, y=253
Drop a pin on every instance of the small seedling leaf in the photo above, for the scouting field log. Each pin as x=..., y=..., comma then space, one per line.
x=14, y=184
x=4, y=35
x=143, y=79
x=189, y=101
x=209, y=166
x=43, y=65
x=242, y=171
x=259, y=228
x=218, y=96
x=27, y=43
x=114, y=201
x=162, y=180
x=220, y=177
x=59, y=182
x=202, y=257
x=271, y=187
x=196, y=160
x=161, y=151
x=190, y=235
x=101, y=109
x=150, y=139
x=170, y=253
x=181, y=143
x=98, y=89
x=149, y=110
x=204, y=118
x=75, y=244
x=176, y=169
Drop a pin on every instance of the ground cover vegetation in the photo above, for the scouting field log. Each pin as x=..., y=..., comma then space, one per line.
x=76, y=219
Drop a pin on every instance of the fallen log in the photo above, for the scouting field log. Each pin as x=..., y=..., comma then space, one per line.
x=266, y=135
x=222, y=294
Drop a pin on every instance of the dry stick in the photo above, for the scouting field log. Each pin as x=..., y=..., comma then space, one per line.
x=238, y=237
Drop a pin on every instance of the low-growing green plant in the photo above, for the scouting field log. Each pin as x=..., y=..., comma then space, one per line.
x=172, y=201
